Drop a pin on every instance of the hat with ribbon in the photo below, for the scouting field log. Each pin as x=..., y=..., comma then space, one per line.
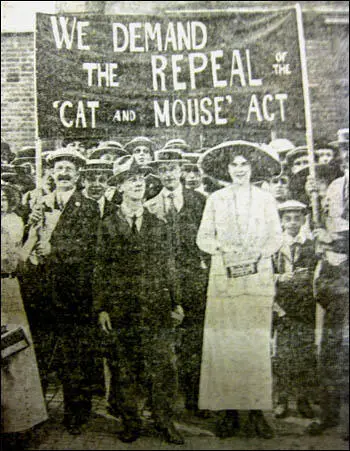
x=215, y=161
x=125, y=167
x=139, y=141
x=25, y=155
x=165, y=156
x=66, y=154
x=177, y=144
x=111, y=149
x=97, y=166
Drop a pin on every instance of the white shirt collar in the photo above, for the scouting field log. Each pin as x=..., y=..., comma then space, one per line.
x=64, y=196
x=178, y=197
x=289, y=240
x=128, y=213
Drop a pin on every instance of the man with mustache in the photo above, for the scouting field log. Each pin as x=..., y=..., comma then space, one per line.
x=182, y=210
x=67, y=225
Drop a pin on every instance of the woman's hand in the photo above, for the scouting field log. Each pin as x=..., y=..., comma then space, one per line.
x=105, y=322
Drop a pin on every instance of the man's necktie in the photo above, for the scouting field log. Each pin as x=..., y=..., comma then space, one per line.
x=171, y=213
x=133, y=225
x=293, y=249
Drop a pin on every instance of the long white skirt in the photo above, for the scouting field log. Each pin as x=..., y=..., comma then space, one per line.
x=22, y=401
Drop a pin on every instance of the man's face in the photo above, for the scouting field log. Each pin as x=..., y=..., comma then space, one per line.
x=65, y=174
x=279, y=187
x=292, y=221
x=299, y=163
x=170, y=174
x=192, y=177
x=240, y=170
x=324, y=156
x=95, y=183
x=142, y=155
x=133, y=187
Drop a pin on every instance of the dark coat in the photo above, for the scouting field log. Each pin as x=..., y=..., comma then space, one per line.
x=189, y=265
x=71, y=261
x=296, y=297
x=131, y=274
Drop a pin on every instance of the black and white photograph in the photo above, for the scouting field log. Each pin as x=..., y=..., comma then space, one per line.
x=174, y=225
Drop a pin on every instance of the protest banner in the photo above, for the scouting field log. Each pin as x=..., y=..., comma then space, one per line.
x=225, y=74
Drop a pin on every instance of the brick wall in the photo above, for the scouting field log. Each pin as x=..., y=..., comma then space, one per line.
x=328, y=65
x=17, y=89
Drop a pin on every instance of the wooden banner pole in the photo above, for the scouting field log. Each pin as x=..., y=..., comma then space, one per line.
x=308, y=117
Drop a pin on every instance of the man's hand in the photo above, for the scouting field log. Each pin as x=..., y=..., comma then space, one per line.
x=322, y=236
x=285, y=277
x=36, y=216
x=105, y=322
x=311, y=186
x=43, y=248
x=178, y=315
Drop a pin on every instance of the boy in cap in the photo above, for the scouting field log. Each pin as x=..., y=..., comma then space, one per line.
x=295, y=361
x=95, y=177
x=135, y=308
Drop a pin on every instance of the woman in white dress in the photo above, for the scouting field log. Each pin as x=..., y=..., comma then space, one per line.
x=22, y=401
x=241, y=229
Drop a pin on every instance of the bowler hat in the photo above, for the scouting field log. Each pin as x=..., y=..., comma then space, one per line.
x=215, y=161
x=124, y=167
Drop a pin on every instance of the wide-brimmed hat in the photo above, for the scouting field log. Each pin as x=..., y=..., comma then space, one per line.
x=138, y=142
x=66, y=154
x=116, y=149
x=215, y=161
x=97, y=166
x=291, y=205
x=164, y=156
x=125, y=166
x=17, y=175
x=328, y=172
x=177, y=144
x=343, y=139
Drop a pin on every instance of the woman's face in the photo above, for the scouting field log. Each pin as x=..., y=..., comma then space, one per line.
x=240, y=170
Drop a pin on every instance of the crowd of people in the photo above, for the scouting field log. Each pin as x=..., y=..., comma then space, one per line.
x=139, y=274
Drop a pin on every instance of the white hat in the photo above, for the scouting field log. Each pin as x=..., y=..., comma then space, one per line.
x=291, y=205
x=66, y=154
